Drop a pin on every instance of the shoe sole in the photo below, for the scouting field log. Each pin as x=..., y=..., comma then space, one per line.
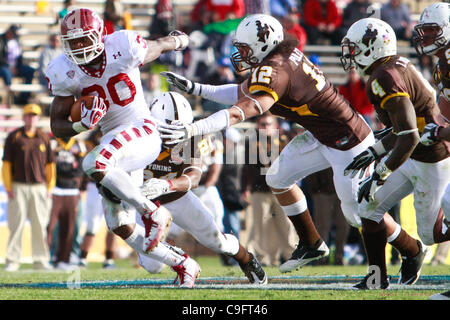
x=292, y=265
x=412, y=281
x=162, y=234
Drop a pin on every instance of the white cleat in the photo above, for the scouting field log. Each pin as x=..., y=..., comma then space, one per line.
x=157, y=225
x=187, y=271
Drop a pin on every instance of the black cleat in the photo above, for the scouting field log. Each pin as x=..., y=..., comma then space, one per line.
x=441, y=296
x=411, y=266
x=254, y=271
x=368, y=284
x=305, y=254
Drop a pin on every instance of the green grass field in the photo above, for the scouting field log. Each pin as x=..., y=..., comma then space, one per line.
x=128, y=283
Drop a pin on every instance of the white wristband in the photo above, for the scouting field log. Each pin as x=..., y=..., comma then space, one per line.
x=177, y=42
x=189, y=180
x=379, y=148
x=78, y=127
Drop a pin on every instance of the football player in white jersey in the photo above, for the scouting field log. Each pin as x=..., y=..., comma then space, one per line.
x=170, y=180
x=107, y=66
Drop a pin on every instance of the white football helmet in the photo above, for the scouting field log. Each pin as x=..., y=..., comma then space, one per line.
x=433, y=29
x=171, y=106
x=255, y=37
x=82, y=32
x=366, y=41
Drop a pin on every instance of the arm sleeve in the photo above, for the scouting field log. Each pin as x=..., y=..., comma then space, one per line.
x=7, y=175
x=50, y=175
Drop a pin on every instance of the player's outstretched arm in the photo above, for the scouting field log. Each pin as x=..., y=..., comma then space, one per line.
x=176, y=40
x=247, y=107
x=225, y=94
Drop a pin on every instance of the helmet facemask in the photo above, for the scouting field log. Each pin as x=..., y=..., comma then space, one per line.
x=243, y=58
x=430, y=38
x=92, y=48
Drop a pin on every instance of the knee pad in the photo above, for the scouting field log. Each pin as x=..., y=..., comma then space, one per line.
x=90, y=162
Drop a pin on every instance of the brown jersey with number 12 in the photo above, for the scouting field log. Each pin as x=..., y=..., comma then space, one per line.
x=302, y=94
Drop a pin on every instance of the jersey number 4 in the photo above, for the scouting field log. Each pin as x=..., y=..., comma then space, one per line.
x=111, y=86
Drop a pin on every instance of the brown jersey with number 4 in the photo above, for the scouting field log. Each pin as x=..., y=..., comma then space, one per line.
x=171, y=164
x=397, y=76
x=302, y=94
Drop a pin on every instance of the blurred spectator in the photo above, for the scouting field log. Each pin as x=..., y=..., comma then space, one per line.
x=426, y=67
x=291, y=23
x=29, y=174
x=397, y=14
x=93, y=214
x=11, y=63
x=327, y=212
x=322, y=20
x=222, y=75
x=257, y=6
x=162, y=20
x=68, y=6
x=281, y=8
x=48, y=53
x=355, y=93
x=225, y=9
x=207, y=188
x=272, y=236
x=152, y=87
x=66, y=196
x=113, y=16
x=354, y=11
x=200, y=16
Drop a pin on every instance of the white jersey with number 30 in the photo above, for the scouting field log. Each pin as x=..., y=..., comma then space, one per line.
x=117, y=80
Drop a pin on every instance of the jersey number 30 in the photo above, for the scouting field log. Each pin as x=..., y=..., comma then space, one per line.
x=112, y=90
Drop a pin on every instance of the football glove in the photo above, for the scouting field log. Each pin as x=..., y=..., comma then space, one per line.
x=181, y=38
x=91, y=117
x=369, y=186
x=176, y=132
x=430, y=134
x=154, y=188
x=179, y=82
x=361, y=162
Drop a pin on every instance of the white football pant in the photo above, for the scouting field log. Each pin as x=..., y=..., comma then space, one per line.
x=427, y=181
x=305, y=155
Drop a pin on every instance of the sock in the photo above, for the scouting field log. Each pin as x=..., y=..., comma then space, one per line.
x=109, y=254
x=83, y=254
x=121, y=184
x=161, y=253
x=242, y=256
x=305, y=228
x=405, y=244
x=375, y=245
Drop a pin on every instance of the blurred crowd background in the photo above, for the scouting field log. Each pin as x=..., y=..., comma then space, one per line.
x=235, y=193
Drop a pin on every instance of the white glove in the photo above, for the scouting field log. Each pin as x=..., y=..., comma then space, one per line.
x=154, y=188
x=430, y=134
x=91, y=117
x=176, y=132
x=179, y=82
x=361, y=162
x=181, y=38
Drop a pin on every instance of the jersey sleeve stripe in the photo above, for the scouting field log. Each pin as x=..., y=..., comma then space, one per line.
x=256, y=88
x=397, y=94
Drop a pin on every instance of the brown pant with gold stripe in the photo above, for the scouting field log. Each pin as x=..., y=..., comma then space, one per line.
x=64, y=212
